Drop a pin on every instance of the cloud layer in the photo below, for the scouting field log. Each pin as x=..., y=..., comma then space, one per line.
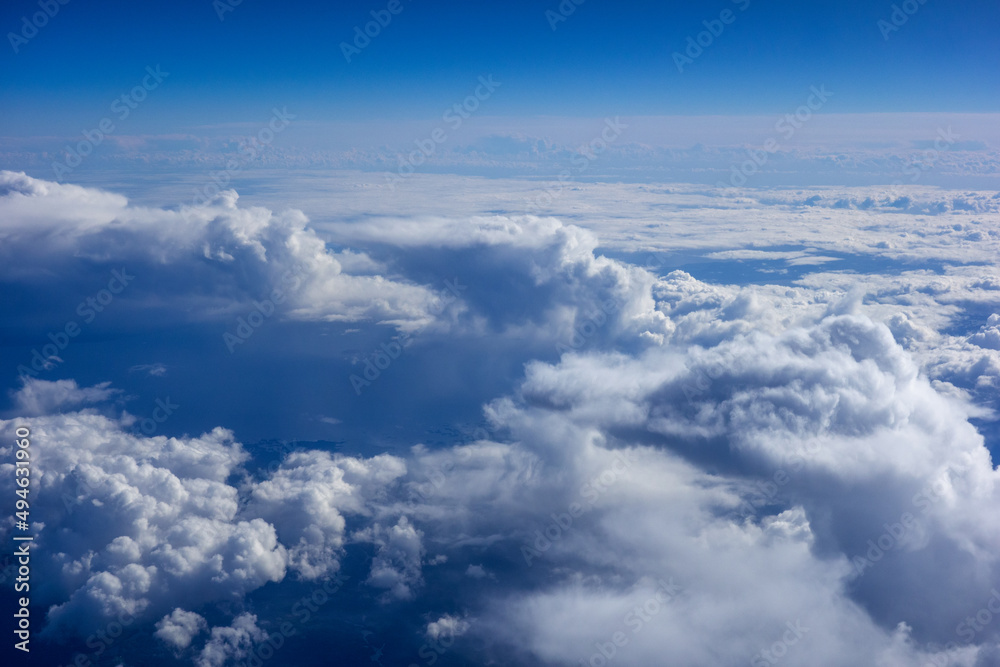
x=703, y=473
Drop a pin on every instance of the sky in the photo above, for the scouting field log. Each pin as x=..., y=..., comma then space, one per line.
x=546, y=333
x=604, y=58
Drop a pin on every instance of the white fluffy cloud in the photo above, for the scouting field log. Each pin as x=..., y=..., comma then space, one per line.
x=245, y=253
x=989, y=336
x=178, y=628
x=396, y=567
x=133, y=526
x=307, y=497
x=698, y=473
x=231, y=643
x=822, y=438
x=447, y=626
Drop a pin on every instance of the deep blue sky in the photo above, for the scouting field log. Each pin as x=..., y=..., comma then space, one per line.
x=608, y=57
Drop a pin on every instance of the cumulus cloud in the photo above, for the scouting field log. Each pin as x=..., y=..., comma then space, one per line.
x=133, y=526
x=824, y=437
x=178, y=628
x=231, y=643
x=602, y=487
x=989, y=335
x=447, y=626
x=307, y=497
x=396, y=566
x=706, y=473
x=531, y=278
x=214, y=255
x=831, y=421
